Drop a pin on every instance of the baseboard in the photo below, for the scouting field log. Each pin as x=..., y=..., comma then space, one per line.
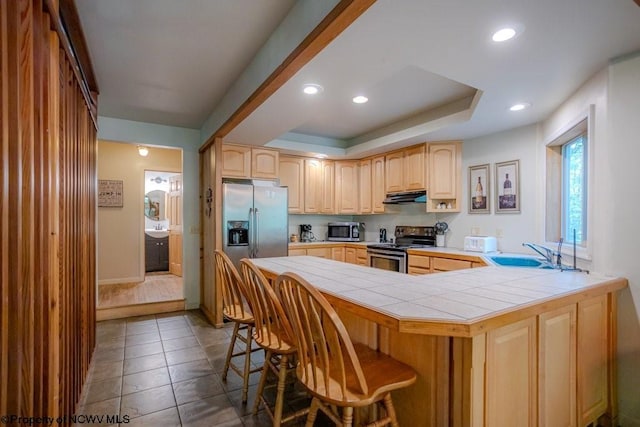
x=121, y=280
x=123, y=311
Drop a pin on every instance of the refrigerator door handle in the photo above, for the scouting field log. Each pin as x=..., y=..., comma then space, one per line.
x=256, y=246
x=251, y=226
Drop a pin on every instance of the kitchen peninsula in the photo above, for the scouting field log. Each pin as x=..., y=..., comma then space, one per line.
x=492, y=346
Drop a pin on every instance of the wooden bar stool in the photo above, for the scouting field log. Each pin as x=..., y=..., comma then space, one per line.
x=273, y=333
x=337, y=372
x=235, y=309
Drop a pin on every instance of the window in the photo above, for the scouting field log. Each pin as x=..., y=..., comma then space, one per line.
x=574, y=190
x=567, y=186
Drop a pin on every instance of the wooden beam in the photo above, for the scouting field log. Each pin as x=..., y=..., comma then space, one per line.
x=336, y=21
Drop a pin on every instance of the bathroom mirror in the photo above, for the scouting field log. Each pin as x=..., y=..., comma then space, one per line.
x=154, y=205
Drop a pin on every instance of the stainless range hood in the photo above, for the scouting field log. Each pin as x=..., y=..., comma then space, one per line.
x=408, y=197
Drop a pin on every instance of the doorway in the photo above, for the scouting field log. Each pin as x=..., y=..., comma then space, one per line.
x=156, y=220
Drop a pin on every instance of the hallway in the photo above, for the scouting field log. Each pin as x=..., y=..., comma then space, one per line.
x=156, y=287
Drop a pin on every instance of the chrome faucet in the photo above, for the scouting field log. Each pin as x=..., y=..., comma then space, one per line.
x=548, y=254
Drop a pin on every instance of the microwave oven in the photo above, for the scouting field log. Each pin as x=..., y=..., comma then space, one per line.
x=346, y=231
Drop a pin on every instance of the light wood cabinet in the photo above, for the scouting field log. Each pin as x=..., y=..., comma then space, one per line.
x=292, y=176
x=511, y=380
x=592, y=359
x=414, y=169
x=346, y=187
x=394, y=177
x=297, y=252
x=361, y=256
x=350, y=255
x=405, y=170
x=366, y=188
x=338, y=253
x=557, y=367
x=319, y=252
x=328, y=202
x=445, y=179
x=447, y=264
x=419, y=265
x=236, y=161
x=313, y=186
x=264, y=163
x=424, y=263
x=378, y=184
x=240, y=161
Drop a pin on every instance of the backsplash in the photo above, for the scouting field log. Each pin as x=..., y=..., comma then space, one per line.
x=406, y=214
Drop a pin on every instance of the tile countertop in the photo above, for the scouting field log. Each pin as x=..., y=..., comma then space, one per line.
x=456, y=303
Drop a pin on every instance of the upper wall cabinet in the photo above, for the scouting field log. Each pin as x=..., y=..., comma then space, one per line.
x=319, y=186
x=445, y=179
x=346, y=186
x=405, y=170
x=239, y=161
x=372, y=189
x=292, y=176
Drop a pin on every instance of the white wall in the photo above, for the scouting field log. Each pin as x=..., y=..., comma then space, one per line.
x=620, y=225
x=189, y=141
x=515, y=228
x=614, y=94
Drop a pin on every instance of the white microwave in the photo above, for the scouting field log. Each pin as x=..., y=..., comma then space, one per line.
x=345, y=231
x=480, y=244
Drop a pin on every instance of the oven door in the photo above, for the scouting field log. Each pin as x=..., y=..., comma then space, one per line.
x=388, y=260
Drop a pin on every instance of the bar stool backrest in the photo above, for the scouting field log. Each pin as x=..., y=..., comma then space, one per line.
x=328, y=364
x=234, y=304
x=272, y=328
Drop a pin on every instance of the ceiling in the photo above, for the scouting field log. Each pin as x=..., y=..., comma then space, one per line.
x=428, y=67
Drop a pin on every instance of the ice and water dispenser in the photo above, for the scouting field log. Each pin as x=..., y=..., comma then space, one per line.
x=237, y=233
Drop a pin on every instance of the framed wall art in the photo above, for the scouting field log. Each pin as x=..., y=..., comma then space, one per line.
x=109, y=193
x=479, y=189
x=507, y=187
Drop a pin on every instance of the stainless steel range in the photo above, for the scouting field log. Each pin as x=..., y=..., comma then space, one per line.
x=393, y=256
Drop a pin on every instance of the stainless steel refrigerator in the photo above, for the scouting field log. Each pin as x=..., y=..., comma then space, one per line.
x=254, y=220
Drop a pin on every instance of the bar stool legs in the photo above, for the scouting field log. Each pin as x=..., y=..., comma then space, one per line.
x=246, y=371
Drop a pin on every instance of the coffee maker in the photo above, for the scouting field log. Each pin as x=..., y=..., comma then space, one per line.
x=305, y=233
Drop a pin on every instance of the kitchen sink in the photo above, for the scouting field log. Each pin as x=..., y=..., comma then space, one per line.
x=517, y=261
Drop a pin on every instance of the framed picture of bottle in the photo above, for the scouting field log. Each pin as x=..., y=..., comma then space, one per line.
x=479, y=189
x=507, y=187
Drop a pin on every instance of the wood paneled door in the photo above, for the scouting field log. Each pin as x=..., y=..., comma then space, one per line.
x=174, y=207
x=48, y=208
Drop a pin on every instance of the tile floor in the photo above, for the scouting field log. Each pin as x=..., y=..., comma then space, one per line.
x=166, y=370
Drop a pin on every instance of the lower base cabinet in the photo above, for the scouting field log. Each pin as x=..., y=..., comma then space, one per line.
x=553, y=370
x=337, y=252
x=156, y=256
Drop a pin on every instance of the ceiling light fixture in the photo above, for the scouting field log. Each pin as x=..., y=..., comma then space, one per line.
x=321, y=156
x=360, y=99
x=503, y=35
x=312, y=89
x=143, y=151
x=519, y=106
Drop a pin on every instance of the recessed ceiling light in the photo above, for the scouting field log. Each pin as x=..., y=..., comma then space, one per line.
x=312, y=88
x=520, y=106
x=503, y=34
x=360, y=99
x=143, y=151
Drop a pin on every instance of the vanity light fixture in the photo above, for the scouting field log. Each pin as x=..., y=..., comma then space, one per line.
x=360, y=99
x=519, y=106
x=312, y=89
x=143, y=151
